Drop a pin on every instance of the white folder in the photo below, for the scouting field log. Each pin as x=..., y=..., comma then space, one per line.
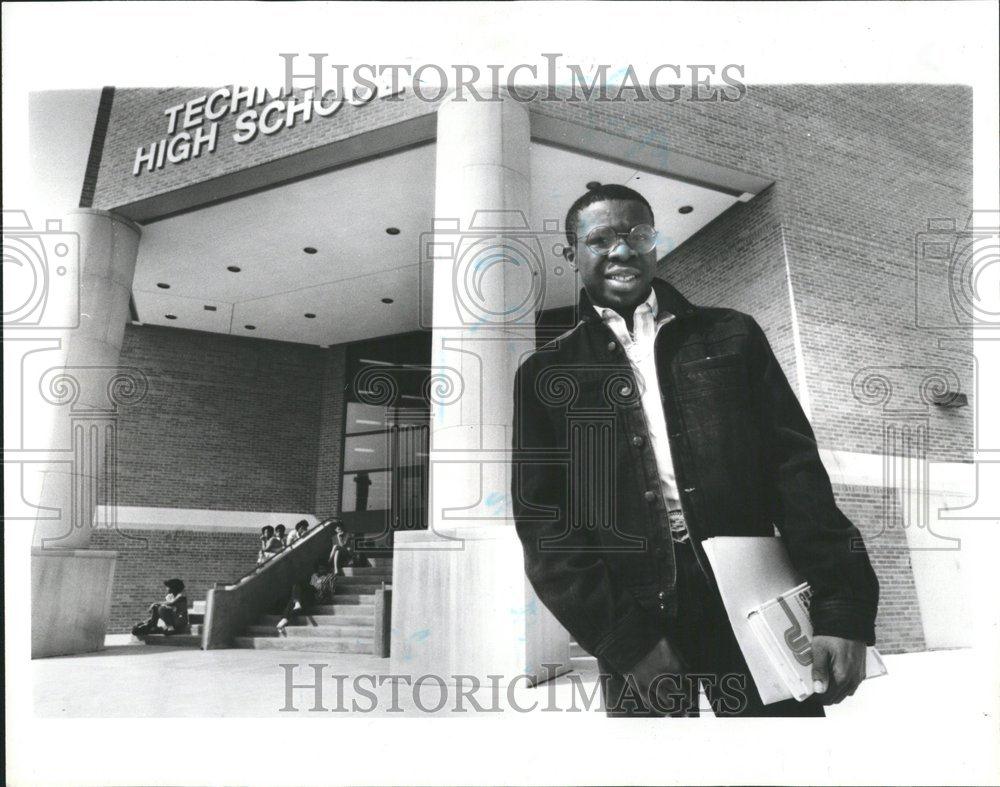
x=751, y=571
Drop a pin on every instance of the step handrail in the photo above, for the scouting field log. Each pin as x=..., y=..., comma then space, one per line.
x=230, y=608
x=260, y=567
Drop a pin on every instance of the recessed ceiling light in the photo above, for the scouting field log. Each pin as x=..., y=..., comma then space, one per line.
x=170, y=316
x=250, y=327
x=387, y=300
x=392, y=230
x=163, y=285
x=310, y=315
x=309, y=249
x=593, y=184
x=210, y=308
x=233, y=269
x=685, y=209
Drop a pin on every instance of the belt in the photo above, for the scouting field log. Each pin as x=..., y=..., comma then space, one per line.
x=678, y=527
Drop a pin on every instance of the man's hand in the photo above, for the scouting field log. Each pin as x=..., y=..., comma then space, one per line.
x=838, y=667
x=661, y=660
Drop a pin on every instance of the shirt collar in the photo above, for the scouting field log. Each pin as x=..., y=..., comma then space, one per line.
x=606, y=312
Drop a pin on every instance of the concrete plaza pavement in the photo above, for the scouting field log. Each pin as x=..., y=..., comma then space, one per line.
x=136, y=681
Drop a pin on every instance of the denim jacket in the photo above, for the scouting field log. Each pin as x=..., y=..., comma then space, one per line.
x=587, y=500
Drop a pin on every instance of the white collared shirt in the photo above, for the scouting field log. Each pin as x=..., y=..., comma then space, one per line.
x=639, y=350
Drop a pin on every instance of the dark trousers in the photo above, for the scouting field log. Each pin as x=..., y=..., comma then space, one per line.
x=705, y=641
x=158, y=612
x=301, y=594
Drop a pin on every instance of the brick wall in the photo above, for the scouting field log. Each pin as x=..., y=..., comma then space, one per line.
x=897, y=627
x=330, y=440
x=229, y=423
x=147, y=557
x=737, y=262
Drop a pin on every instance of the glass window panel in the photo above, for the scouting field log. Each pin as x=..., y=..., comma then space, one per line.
x=413, y=446
x=378, y=491
x=365, y=417
x=366, y=452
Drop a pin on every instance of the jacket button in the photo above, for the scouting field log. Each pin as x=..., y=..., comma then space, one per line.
x=662, y=594
x=612, y=346
x=637, y=441
x=649, y=495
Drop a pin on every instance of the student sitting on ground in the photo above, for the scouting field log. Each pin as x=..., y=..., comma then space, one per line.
x=301, y=528
x=318, y=591
x=171, y=616
x=270, y=544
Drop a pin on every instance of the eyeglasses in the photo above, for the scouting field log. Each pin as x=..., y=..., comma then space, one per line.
x=603, y=240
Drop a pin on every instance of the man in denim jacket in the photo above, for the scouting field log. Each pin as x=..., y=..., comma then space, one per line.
x=650, y=426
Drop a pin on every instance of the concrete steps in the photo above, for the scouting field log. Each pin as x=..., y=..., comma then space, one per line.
x=329, y=632
x=311, y=644
x=192, y=639
x=340, y=618
x=357, y=599
x=346, y=625
x=363, y=582
x=174, y=640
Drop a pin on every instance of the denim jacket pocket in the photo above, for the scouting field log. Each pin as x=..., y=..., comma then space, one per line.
x=721, y=375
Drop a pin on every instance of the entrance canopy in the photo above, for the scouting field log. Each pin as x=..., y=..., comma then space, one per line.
x=337, y=257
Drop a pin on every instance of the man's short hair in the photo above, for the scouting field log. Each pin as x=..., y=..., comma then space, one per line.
x=606, y=191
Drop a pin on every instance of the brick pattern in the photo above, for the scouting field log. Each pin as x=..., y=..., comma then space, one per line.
x=147, y=557
x=897, y=627
x=330, y=442
x=737, y=262
x=229, y=423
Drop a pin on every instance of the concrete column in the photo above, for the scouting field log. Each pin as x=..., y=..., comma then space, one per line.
x=462, y=604
x=85, y=389
x=82, y=393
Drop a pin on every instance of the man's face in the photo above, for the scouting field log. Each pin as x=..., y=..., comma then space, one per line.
x=620, y=278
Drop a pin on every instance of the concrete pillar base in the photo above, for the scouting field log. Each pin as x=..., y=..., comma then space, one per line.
x=70, y=600
x=470, y=610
